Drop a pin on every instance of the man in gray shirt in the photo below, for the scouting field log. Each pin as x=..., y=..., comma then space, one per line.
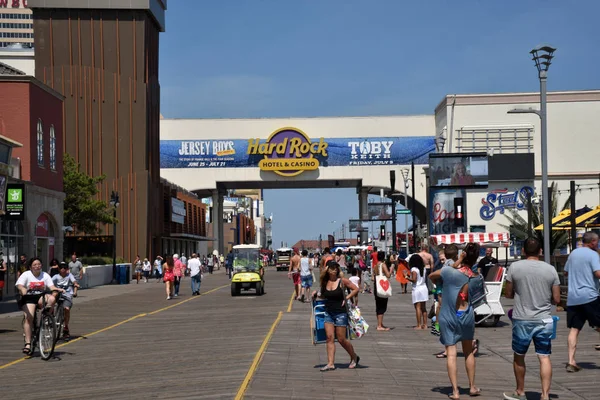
x=76, y=268
x=535, y=287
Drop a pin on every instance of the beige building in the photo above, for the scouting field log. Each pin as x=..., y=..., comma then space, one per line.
x=210, y=156
x=16, y=24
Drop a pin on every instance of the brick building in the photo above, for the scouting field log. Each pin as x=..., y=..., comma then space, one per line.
x=31, y=114
x=183, y=221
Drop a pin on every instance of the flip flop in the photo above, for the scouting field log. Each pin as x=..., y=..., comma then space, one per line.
x=441, y=355
x=354, y=364
x=475, y=393
x=451, y=396
x=573, y=368
x=327, y=368
x=514, y=396
x=27, y=348
x=597, y=347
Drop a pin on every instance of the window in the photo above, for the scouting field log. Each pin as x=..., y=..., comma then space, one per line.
x=52, y=148
x=500, y=139
x=40, y=143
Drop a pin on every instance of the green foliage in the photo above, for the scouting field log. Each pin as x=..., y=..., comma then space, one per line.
x=82, y=211
x=518, y=224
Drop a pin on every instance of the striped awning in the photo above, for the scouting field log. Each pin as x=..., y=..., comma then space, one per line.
x=463, y=238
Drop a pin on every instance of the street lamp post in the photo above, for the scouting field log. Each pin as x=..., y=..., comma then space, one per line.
x=542, y=56
x=114, y=203
x=406, y=179
x=392, y=189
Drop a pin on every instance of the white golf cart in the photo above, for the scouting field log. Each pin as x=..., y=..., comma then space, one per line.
x=490, y=312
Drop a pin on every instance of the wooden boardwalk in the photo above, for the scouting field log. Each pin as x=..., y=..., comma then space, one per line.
x=131, y=347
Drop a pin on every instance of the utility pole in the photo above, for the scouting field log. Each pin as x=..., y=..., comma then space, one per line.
x=392, y=189
x=412, y=208
x=573, y=217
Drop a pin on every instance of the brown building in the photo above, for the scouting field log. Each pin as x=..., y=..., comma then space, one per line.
x=103, y=58
x=183, y=222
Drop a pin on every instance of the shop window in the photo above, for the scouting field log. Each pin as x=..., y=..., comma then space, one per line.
x=40, y=143
x=52, y=148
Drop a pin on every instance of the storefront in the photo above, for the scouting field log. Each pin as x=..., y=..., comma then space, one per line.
x=12, y=243
x=184, y=223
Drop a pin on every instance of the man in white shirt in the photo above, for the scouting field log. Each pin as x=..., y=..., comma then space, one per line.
x=194, y=267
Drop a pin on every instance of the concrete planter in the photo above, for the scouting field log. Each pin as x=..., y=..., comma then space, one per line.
x=98, y=275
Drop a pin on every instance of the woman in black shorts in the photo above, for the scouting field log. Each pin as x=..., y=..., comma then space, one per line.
x=32, y=285
x=380, y=302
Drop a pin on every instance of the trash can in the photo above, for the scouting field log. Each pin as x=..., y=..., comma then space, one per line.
x=123, y=276
x=117, y=274
x=128, y=274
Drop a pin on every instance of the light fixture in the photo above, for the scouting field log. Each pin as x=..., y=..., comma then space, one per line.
x=542, y=56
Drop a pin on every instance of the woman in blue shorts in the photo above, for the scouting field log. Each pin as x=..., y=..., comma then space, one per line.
x=333, y=286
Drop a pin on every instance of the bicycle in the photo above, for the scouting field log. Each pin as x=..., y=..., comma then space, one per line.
x=44, y=334
x=59, y=313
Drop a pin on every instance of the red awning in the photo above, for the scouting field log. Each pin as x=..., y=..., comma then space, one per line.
x=463, y=238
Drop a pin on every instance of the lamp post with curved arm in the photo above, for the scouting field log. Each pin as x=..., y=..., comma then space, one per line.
x=542, y=57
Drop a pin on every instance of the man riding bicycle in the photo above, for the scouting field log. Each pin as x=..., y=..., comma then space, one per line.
x=32, y=285
x=66, y=281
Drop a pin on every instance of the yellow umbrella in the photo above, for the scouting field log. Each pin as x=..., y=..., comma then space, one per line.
x=564, y=214
x=589, y=218
x=562, y=220
x=582, y=220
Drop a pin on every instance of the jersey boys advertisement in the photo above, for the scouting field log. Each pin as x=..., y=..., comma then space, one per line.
x=289, y=152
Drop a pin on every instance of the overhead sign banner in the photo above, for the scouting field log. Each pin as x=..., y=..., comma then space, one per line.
x=379, y=211
x=357, y=225
x=289, y=152
x=15, y=201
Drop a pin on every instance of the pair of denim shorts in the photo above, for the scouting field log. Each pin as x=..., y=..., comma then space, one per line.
x=337, y=319
x=537, y=331
x=307, y=281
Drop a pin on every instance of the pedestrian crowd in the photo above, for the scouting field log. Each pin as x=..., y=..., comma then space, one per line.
x=457, y=282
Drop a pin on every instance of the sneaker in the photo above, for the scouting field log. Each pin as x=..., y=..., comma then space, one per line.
x=168, y=297
x=175, y=295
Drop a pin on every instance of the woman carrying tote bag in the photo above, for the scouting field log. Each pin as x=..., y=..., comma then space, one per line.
x=383, y=290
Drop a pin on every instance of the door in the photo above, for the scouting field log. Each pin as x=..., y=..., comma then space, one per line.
x=42, y=252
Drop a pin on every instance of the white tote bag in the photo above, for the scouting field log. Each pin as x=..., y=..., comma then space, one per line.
x=383, y=285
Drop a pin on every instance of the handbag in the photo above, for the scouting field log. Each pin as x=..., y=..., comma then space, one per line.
x=432, y=310
x=383, y=286
x=357, y=326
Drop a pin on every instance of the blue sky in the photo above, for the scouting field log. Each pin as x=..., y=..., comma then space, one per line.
x=282, y=58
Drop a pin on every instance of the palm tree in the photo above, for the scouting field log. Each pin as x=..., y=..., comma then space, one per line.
x=519, y=229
